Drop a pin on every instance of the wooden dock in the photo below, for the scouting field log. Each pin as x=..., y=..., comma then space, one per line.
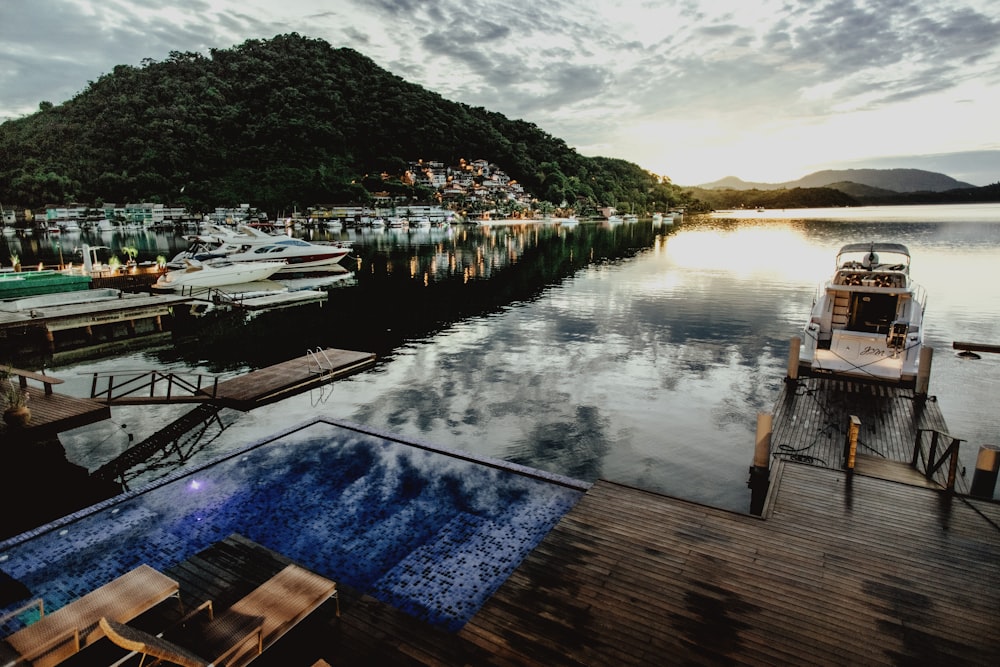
x=812, y=417
x=273, y=383
x=52, y=413
x=841, y=570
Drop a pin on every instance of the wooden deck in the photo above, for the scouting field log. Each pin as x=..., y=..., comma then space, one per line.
x=273, y=383
x=52, y=413
x=811, y=418
x=842, y=569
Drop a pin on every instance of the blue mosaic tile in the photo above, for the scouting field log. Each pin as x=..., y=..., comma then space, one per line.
x=431, y=532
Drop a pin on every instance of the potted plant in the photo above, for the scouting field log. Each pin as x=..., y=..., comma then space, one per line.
x=130, y=252
x=15, y=401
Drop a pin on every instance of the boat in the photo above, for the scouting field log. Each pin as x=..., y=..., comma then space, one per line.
x=216, y=274
x=630, y=218
x=614, y=220
x=657, y=218
x=253, y=245
x=16, y=284
x=867, y=319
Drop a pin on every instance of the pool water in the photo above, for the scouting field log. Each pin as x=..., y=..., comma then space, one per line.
x=429, y=531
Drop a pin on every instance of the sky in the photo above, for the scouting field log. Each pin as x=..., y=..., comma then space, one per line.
x=767, y=91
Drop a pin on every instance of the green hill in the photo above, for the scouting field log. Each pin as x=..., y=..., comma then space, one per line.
x=284, y=122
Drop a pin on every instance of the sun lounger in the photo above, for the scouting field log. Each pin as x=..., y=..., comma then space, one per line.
x=64, y=632
x=239, y=634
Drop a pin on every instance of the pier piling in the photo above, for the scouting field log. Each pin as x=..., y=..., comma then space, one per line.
x=984, y=480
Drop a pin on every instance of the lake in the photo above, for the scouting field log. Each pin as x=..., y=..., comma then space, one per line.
x=630, y=353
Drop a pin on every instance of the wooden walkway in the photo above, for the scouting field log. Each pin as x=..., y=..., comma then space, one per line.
x=841, y=570
x=812, y=415
x=52, y=413
x=279, y=381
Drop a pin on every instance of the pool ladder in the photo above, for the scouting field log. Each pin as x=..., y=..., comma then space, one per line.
x=320, y=367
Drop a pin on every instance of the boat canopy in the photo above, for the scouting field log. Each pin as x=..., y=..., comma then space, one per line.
x=875, y=247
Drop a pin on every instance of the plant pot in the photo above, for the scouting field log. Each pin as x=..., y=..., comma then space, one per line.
x=17, y=417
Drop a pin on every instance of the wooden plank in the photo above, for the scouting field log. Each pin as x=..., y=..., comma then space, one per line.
x=52, y=413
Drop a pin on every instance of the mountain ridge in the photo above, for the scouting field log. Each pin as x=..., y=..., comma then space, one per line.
x=895, y=180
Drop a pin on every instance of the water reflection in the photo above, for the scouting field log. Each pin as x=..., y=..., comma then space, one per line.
x=631, y=353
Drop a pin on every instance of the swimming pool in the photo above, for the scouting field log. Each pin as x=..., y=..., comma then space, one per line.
x=431, y=531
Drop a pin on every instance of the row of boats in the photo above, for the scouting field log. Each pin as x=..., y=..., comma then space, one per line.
x=219, y=256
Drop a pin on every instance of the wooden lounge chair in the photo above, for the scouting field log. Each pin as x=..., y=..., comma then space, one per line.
x=241, y=633
x=64, y=632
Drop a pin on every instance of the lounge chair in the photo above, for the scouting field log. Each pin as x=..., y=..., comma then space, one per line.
x=241, y=633
x=64, y=632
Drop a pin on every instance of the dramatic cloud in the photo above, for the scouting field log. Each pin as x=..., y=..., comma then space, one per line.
x=764, y=89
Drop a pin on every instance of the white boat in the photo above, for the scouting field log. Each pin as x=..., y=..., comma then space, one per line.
x=614, y=220
x=630, y=217
x=218, y=274
x=253, y=245
x=657, y=218
x=867, y=320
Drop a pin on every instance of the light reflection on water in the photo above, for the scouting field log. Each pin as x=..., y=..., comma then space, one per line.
x=646, y=367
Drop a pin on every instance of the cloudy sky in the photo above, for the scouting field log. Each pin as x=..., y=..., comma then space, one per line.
x=694, y=90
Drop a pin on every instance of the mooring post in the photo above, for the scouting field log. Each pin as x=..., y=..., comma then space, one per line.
x=851, y=444
x=759, y=471
x=924, y=372
x=984, y=480
x=793, y=358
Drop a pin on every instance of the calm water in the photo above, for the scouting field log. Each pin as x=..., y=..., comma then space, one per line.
x=635, y=354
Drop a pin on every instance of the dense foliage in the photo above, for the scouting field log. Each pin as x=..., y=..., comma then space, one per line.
x=279, y=123
x=726, y=198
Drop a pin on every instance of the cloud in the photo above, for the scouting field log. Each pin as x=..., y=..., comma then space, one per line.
x=652, y=82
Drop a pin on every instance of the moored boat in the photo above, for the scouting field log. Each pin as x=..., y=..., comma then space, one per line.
x=217, y=274
x=15, y=284
x=252, y=245
x=867, y=320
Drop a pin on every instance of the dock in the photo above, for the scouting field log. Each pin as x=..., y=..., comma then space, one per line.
x=812, y=423
x=52, y=413
x=840, y=570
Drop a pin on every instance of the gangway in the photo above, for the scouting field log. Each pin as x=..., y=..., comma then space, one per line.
x=180, y=437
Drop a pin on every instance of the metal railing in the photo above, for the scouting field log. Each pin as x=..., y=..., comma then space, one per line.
x=124, y=385
x=314, y=355
x=927, y=458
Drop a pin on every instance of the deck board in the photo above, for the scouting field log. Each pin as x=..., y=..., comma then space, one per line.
x=275, y=382
x=53, y=413
x=844, y=569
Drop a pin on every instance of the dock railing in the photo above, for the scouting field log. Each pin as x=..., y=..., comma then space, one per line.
x=125, y=387
x=928, y=460
x=315, y=356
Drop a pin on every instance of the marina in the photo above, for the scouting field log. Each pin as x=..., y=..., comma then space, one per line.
x=864, y=544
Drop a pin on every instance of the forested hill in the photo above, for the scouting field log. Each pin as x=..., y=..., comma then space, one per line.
x=282, y=122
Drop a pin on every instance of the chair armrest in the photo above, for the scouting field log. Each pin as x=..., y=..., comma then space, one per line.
x=48, y=647
x=204, y=606
x=258, y=630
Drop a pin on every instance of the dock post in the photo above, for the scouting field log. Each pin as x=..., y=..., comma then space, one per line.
x=984, y=480
x=924, y=372
x=851, y=445
x=759, y=471
x=793, y=358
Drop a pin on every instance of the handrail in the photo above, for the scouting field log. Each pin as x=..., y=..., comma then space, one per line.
x=314, y=354
x=932, y=462
x=139, y=380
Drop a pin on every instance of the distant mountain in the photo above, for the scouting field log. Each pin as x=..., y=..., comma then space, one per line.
x=845, y=180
